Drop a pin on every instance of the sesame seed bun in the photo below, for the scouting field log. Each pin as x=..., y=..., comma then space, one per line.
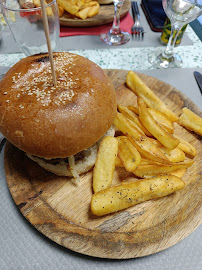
x=56, y=122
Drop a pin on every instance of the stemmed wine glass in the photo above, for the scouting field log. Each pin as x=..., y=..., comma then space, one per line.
x=180, y=12
x=115, y=36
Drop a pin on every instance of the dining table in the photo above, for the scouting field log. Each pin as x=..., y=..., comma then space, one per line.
x=24, y=247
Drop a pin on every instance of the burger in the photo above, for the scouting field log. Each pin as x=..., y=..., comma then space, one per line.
x=57, y=126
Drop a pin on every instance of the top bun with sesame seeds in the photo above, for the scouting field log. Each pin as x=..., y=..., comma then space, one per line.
x=56, y=122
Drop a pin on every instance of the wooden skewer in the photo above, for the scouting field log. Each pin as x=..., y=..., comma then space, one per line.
x=45, y=24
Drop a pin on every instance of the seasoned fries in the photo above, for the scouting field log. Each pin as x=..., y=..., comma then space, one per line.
x=127, y=126
x=128, y=154
x=127, y=194
x=179, y=173
x=145, y=161
x=105, y=163
x=191, y=121
x=186, y=147
x=146, y=171
x=174, y=155
x=147, y=148
x=132, y=116
x=142, y=90
x=156, y=130
x=161, y=119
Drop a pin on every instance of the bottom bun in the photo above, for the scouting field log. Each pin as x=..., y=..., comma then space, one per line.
x=82, y=165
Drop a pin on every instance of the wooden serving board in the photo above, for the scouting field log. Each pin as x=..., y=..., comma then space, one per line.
x=105, y=15
x=59, y=207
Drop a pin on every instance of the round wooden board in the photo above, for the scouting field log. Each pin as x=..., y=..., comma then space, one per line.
x=59, y=207
x=105, y=15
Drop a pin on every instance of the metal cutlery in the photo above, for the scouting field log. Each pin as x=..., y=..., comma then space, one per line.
x=137, y=29
x=198, y=77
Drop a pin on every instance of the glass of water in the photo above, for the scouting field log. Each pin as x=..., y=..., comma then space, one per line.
x=26, y=24
x=180, y=12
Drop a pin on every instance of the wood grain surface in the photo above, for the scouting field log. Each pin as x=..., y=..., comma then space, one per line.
x=105, y=15
x=59, y=207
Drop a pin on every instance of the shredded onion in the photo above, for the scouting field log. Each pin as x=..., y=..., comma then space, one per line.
x=72, y=168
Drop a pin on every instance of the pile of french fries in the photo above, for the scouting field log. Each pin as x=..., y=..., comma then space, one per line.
x=147, y=148
x=82, y=9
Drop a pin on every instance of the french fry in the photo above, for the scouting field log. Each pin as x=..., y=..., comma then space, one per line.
x=60, y=10
x=126, y=126
x=93, y=11
x=128, y=154
x=80, y=3
x=127, y=194
x=161, y=119
x=133, y=117
x=118, y=162
x=174, y=155
x=156, y=130
x=179, y=173
x=133, y=109
x=145, y=161
x=105, y=163
x=68, y=6
x=92, y=3
x=149, y=150
x=37, y=3
x=88, y=3
x=49, y=11
x=147, y=171
x=152, y=101
x=191, y=121
x=83, y=14
x=94, y=8
x=156, y=142
x=186, y=147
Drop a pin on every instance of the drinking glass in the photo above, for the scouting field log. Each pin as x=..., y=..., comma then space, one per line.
x=115, y=36
x=180, y=12
x=26, y=24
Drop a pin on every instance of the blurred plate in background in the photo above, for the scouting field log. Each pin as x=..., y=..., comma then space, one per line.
x=105, y=15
